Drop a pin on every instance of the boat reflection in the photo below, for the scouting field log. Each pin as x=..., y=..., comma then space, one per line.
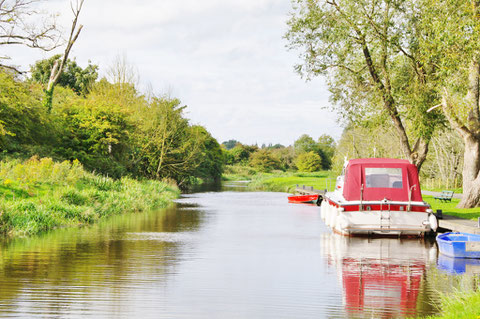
x=457, y=266
x=380, y=278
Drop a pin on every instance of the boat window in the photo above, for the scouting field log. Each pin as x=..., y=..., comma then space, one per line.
x=383, y=177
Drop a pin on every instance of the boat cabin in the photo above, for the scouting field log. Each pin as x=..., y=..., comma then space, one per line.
x=374, y=179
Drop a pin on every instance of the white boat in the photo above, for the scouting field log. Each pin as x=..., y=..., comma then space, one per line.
x=378, y=196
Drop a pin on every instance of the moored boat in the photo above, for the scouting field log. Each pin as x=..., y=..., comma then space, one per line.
x=459, y=245
x=303, y=199
x=378, y=196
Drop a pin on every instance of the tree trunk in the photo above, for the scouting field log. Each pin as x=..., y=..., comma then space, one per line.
x=471, y=177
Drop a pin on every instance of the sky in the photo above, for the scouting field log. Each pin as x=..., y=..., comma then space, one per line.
x=225, y=59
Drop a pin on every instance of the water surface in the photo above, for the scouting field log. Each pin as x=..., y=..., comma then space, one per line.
x=223, y=254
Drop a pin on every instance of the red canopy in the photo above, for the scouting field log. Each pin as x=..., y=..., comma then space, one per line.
x=381, y=178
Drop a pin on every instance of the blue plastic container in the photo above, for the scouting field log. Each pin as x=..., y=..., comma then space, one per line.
x=459, y=245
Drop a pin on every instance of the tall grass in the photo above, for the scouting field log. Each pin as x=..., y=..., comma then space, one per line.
x=460, y=305
x=39, y=194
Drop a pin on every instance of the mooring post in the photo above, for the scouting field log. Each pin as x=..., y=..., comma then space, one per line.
x=478, y=222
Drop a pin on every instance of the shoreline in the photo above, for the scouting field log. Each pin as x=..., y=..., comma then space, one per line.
x=39, y=195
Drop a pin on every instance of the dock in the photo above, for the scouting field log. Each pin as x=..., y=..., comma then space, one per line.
x=309, y=190
x=457, y=224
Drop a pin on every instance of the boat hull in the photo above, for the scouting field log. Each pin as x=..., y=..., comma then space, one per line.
x=377, y=222
x=459, y=245
x=303, y=199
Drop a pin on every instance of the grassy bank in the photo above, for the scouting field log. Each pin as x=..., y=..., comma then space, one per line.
x=449, y=208
x=460, y=305
x=279, y=181
x=39, y=195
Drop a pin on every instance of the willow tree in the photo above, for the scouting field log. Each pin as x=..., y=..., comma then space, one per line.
x=450, y=41
x=368, y=50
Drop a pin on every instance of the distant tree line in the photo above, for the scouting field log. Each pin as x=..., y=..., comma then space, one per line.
x=306, y=155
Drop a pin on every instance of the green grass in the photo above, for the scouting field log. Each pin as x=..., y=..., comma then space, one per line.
x=460, y=305
x=39, y=195
x=287, y=181
x=449, y=208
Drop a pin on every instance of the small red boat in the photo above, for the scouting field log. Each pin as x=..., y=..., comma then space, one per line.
x=303, y=199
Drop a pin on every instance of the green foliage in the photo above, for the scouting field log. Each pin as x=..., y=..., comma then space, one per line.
x=239, y=154
x=264, y=161
x=287, y=181
x=112, y=130
x=73, y=76
x=370, y=54
x=24, y=122
x=325, y=148
x=238, y=173
x=210, y=166
x=460, y=305
x=96, y=131
x=305, y=144
x=39, y=194
x=308, y=162
x=230, y=144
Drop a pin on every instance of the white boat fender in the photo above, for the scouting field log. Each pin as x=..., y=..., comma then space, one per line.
x=432, y=219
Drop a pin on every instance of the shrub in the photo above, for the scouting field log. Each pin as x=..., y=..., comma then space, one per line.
x=308, y=162
x=264, y=161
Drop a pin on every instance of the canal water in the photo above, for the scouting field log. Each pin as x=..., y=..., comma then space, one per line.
x=223, y=254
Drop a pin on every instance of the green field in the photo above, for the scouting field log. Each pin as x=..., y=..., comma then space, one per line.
x=286, y=182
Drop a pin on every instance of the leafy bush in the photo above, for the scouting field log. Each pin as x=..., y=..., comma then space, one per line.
x=264, y=161
x=308, y=162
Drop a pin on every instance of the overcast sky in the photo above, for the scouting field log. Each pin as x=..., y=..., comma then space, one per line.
x=225, y=59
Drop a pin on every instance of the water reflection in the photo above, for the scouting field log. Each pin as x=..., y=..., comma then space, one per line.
x=381, y=277
x=226, y=254
x=75, y=272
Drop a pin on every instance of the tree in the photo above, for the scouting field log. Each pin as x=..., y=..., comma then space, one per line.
x=73, y=76
x=23, y=123
x=16, y=28
x=326, y=144
x=211, y=157
x=166, y=146
x=59, y=64
x=230, y=144
x=308, y=162
x=368, y=49
x=305, y=144
x=451, y=29
x=264, y=161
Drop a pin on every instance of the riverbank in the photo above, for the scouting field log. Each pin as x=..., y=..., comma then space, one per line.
x=459, y=305
x=279, y=181
x=39, y=195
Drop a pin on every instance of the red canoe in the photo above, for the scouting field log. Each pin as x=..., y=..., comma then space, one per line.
x=303, y=199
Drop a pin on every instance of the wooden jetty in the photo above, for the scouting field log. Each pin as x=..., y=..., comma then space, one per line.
x=309, y=190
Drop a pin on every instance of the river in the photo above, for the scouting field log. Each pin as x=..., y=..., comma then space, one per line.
x=223, y=254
